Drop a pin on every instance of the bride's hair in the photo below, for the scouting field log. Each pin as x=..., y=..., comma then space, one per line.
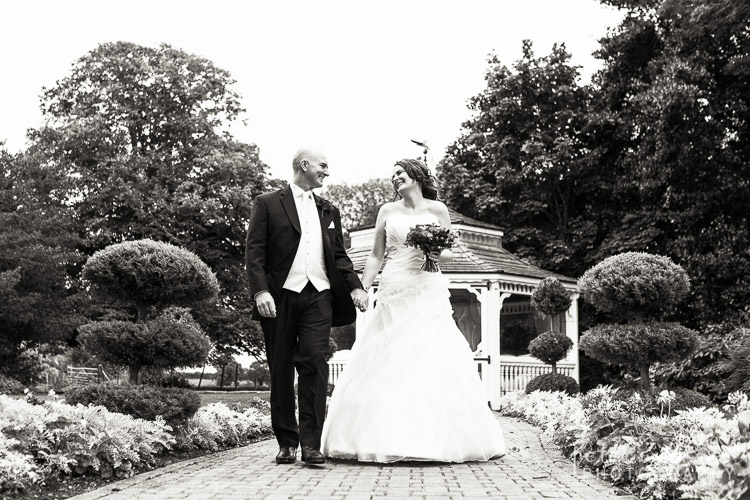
x=418, y=171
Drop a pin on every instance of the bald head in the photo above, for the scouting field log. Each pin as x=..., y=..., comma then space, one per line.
x=307, y=153
x=310, y=168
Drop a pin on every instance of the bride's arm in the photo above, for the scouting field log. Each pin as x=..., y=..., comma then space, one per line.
x=444, y=217
x=372, y=266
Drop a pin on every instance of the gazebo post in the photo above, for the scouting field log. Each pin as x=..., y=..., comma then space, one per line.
x=492, y=349
x=571, y=330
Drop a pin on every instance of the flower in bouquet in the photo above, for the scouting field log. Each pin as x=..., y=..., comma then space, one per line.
x=430, y=238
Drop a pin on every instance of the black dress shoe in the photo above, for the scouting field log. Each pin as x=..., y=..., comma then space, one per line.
x=287, y=455
x=312, y=456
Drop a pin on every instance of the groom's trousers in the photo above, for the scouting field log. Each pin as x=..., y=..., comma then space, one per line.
x=298, y=338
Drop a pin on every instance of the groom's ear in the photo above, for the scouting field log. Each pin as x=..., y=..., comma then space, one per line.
x=304, y=164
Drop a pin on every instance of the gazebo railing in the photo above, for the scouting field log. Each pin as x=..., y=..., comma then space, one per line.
x=334, y=370
x=516, y=373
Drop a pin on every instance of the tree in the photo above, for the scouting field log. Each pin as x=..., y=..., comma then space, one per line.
x=550, y=299
x=523, y=161
x=676, y=85
x=359, y=203
x=260, y=374
x=140, y=133
x=41, y=300
x=155, y=278
x=637, y=288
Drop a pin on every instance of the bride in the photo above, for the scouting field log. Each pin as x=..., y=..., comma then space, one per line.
x=410, y=389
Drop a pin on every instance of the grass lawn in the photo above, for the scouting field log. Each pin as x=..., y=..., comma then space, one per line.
x=231, y=397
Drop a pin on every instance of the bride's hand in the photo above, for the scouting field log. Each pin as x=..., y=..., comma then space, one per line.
x=441, y=257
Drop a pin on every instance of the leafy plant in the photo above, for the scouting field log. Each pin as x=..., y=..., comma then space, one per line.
x=550, y=297
x=151, y=275
x=553, y=382
x=10, y=386
x=635, y=286
x=174, y=405
x=551, y=347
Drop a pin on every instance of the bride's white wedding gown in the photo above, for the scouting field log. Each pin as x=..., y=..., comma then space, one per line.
x=410, y=389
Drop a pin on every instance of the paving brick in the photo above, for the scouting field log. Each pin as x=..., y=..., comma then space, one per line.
x=532, y=470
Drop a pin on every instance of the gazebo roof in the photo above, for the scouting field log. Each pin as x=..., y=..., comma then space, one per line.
x=476, y=251
x=473, y=259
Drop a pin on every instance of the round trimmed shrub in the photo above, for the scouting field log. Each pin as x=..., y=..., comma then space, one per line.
x=553, y=382
x=10, y=386
x=175, y=405
x=550, y=348
x=550, y=297
x=171, y=340
x=149, y=272
x=636, y=344
x=634, y=282
x=639, y=345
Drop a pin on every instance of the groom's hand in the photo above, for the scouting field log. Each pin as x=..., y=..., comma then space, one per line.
x=265, y=304
x=361, y=299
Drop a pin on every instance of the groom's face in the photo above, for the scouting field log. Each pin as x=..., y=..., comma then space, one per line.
x=315, y=168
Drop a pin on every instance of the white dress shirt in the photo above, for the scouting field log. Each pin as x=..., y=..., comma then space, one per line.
x=308, y=264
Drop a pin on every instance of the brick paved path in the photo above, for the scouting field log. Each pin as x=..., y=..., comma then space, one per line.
x=531, y=470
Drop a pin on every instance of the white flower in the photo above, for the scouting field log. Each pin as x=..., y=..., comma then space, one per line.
x=51, y=393
x=26, y=391
x=666, y=397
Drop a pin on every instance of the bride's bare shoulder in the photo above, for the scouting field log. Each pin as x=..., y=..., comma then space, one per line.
x=438, y=208
x=388, y=208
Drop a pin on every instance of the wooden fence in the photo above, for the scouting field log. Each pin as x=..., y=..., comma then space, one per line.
x=85, y=375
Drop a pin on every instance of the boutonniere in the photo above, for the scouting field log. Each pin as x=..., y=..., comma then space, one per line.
x=323, y=203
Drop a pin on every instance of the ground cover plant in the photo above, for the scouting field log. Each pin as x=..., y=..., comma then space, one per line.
x=51, y=449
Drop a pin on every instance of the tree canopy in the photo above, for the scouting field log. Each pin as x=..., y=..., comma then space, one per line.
x=139, y=135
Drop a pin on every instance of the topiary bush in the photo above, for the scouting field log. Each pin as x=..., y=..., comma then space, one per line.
x=550, y=297
x=10, y=386
x=550, y=348
x=634, y=283
x=638, y=343
x=156, y=277
x=149, y=272
x=173, y=404
x=553, y=382
x=171, y=340
x=636, y=286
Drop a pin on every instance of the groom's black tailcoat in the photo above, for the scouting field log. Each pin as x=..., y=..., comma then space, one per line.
x=298, y=336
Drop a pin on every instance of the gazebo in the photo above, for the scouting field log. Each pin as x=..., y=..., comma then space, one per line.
x=490, y=295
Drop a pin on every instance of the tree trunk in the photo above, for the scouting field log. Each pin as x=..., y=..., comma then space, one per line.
x=201, y=377
x=135, y=370
x=142, y=313
x=645, y=383
x=236, y=371
x=221, y=381
x=554, y=368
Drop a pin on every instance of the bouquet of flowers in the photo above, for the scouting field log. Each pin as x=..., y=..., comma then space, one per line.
x=430, y=238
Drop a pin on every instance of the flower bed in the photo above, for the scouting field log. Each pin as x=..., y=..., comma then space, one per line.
x=43, y=441
x=699, y=453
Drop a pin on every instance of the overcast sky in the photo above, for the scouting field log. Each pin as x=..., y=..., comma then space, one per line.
x=358, y=79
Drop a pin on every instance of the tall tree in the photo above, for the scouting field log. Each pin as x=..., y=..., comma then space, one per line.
x=677, y=82
x=142, y=132
x=522, y=161
x=40, y=294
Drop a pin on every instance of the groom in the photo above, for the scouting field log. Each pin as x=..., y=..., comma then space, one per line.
x=303, y=283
